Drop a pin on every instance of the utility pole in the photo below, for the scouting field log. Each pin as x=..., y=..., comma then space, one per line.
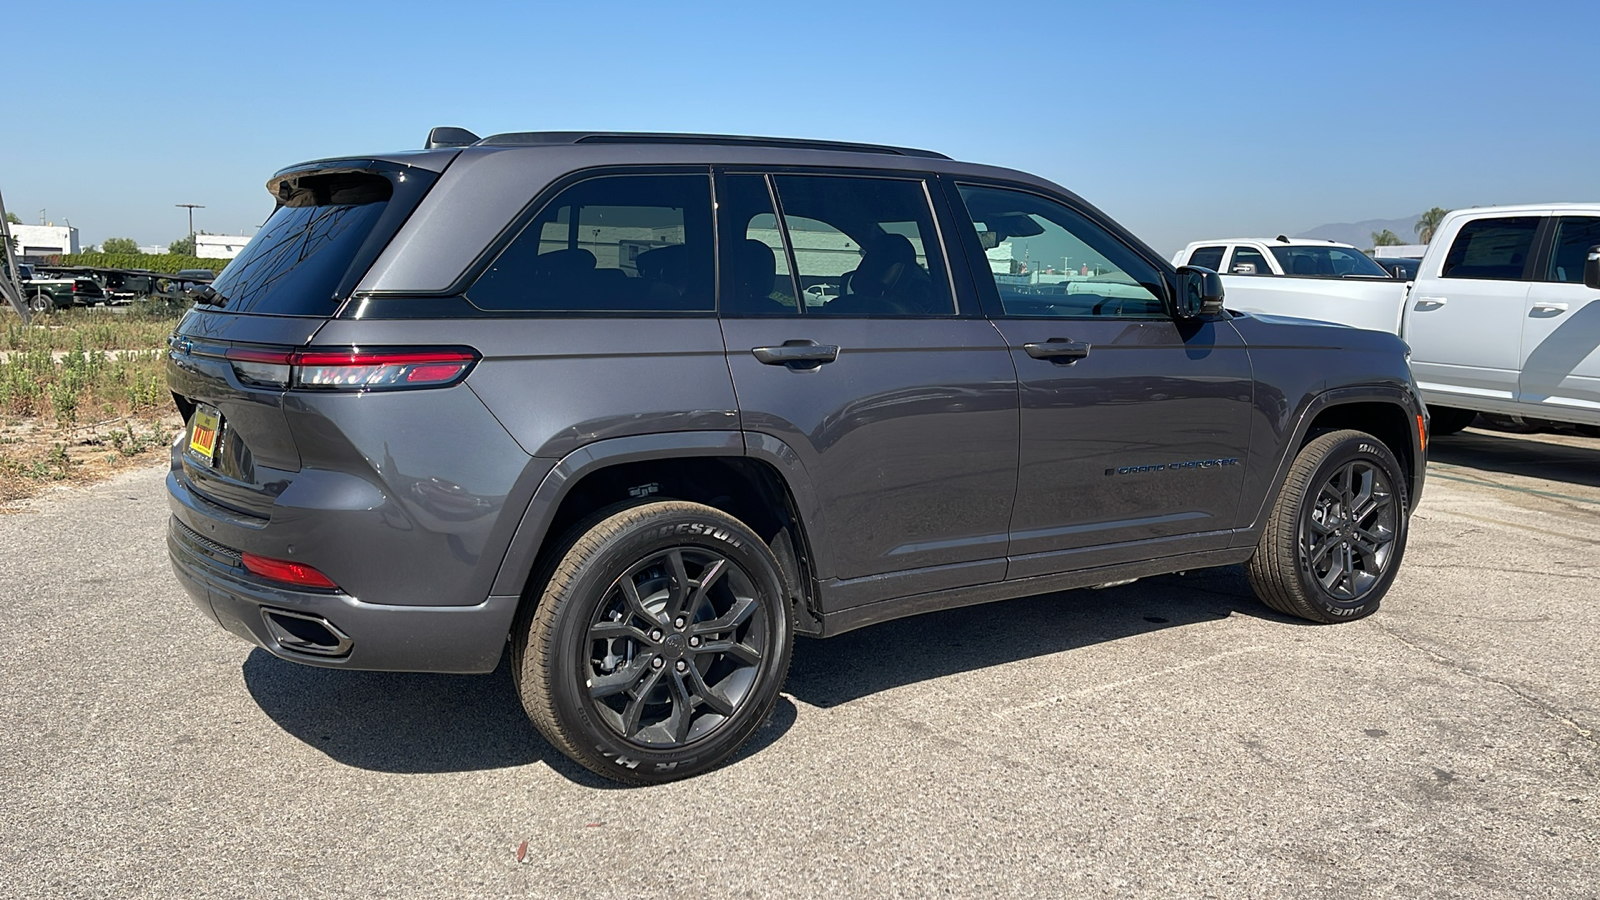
x=191, y=207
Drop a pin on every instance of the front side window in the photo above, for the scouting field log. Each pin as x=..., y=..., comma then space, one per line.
x=864, y=246
x=1048, y=260
x=1327, y=262
x=1574, y=236
x=615, y=243
x=1494, y=249
x=1249, y=256
x=1207, y=258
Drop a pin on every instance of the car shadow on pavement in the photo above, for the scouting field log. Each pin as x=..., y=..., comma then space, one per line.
x=1515, y=455
x=417, y=723
x=838, y=670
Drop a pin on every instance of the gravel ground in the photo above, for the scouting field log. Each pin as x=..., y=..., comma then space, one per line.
x=1168, y=738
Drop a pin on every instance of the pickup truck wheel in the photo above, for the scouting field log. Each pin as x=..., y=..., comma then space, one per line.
x=41, y=303
x=659, y=644
x=1447, y=420
x=1337, y=532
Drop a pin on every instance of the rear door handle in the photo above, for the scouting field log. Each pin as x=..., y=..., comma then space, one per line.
x=797, y=355
x=1550, y=306
x=1060, y=351
x=1431, y=302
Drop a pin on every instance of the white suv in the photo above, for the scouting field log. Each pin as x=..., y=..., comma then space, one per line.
x=1300, y=277
x=1499, y=319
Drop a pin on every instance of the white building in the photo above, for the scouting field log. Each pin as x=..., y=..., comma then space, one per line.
x=219, y=246
x=153, y=250
x=34, y=242
x=1400, y=251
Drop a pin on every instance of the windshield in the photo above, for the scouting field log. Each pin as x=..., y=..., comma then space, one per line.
x=293, y=265
x=1328, y=262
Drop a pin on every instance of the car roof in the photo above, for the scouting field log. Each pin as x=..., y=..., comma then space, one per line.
x=1291, y=242
x=1527, y=207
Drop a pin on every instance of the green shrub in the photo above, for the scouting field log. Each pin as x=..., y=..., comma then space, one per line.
x=154, y=262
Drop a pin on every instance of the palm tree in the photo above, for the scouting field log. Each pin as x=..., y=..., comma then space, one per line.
x=1428, y=223
x=1386, y=238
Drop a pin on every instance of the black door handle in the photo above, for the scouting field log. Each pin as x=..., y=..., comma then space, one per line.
x=797, y=354
x=1058, y=350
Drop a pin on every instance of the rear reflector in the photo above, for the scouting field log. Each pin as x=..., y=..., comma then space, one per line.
x=285, y=571
x=356, y=369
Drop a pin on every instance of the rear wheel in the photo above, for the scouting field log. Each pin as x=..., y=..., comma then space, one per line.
x=1447, y=420
x=41, y=303
x=659, y=643
x=1337, y=532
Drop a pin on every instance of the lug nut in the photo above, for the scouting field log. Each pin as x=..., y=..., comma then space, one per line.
x=694, y=641
x=655, y=634
x=678, y=622
x=657, y=663
x=683, y=666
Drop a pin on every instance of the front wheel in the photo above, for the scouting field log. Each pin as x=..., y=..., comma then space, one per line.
x=42, y=303
x=659, y=644
x=1333, y=543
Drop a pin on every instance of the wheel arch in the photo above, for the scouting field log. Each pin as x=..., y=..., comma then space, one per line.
x=754, y=478
x=1388, y=413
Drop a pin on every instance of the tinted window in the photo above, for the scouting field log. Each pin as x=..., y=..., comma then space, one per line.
x=617, y=243
x=755, y=269
x=1249, y=256
x=1328, y=262
x=1207, y=257
x=294, y=264
x=1047, y=260
x=864, y=246
x=1574, y=236
x=1491, y=248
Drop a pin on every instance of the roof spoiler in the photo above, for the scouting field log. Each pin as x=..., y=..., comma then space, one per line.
x=446, y=136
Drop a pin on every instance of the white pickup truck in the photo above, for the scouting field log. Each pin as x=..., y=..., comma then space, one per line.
x=1301, y=277
x=1500, y=318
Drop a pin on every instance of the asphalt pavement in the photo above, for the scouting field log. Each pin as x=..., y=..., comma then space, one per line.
x=1169, y=738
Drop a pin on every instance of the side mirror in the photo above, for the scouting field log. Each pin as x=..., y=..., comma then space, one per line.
x=1199, y=292
x=1591, y=268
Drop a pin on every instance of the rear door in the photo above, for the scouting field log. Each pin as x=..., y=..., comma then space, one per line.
x=1561, y=327
x=1135, y=427
x=1465, y=312
x=849, y=342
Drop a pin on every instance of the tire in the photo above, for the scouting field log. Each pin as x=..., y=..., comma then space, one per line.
x=1315, y=560
x=1447, y=420
x=668, y=679
x=42, y=303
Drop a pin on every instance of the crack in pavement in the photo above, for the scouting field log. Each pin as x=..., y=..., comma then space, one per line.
x=1585, y=733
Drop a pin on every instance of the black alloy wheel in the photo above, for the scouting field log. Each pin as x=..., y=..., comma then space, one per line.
x=1348, y=537
x=1336, y=534
x=674, y=647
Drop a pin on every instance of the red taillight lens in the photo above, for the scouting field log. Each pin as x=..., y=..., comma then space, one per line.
x=365, y=370
x=287, y=572
x=354, y=369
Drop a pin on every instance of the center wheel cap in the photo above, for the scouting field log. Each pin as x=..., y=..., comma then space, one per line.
x=672, y=646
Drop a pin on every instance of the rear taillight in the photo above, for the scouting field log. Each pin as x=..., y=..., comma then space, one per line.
x=287, y=572
x=354, y=369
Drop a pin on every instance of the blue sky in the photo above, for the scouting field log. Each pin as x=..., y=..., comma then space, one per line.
x=1182, y=120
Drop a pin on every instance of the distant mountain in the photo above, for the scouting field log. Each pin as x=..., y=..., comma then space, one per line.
x=1360, y=233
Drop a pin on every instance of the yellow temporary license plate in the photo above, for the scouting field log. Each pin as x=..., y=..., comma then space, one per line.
x=203, y=430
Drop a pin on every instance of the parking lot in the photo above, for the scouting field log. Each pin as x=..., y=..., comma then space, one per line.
x=1167, y=738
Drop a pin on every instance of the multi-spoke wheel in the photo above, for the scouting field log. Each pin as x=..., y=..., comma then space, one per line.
x=659, y=644
x=1333, y=542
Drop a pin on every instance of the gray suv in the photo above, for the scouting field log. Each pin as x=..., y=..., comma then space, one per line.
x=574, y=395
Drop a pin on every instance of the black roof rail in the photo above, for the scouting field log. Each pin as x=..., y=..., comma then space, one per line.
x=525, y=138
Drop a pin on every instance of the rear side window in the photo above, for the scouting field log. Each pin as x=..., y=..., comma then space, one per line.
x=1494, y=249
x=1574, y=236
x=294, y=264
x=614, y=243
x=1207, y=257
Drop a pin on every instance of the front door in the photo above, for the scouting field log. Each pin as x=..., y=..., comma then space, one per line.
x=1561, y=328
x=1135, y=427
x=847, y=343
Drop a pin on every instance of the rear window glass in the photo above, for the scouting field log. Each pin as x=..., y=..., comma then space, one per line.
x=1494, y=249
x=614, y=243
x=293, y=265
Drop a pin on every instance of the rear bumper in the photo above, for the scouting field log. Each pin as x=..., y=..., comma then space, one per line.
x=445, y=639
